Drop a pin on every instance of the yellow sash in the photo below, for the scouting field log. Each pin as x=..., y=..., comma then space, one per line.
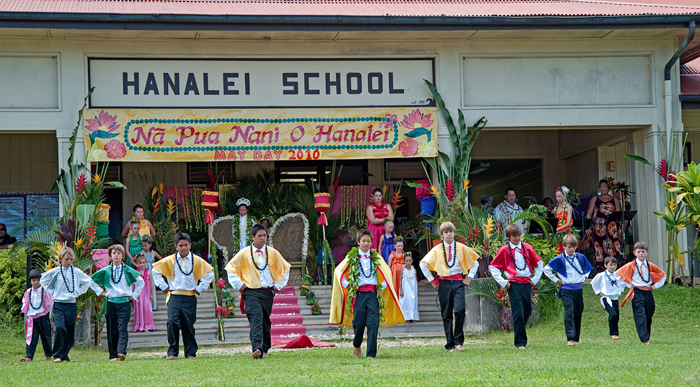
x=436, y=259
x=242, y=266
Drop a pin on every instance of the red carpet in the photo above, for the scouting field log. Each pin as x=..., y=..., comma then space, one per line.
x=288, y=330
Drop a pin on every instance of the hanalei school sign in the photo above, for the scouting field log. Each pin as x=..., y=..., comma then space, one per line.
x=245, y=110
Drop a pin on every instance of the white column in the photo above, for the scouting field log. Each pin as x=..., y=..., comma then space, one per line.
x=63, y=138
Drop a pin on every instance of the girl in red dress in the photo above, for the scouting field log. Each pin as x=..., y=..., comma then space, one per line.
x=606, y=233
x=377, y=212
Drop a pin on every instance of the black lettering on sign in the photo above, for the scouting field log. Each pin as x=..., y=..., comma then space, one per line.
x=191, y=85
x=247, y=83
x=228, y=83
x=287, y=82
x=358, y=78
x=126, y=83
x=307, y=89
x=151, y=85
x=391, y=85
x=168, y=83
x=207, y=91
x=380, y=83
x=330, y=83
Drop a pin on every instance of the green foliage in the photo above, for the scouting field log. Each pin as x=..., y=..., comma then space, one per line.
x=13, y=279
x=542, y=247
x=487, y=287
x=165, y=235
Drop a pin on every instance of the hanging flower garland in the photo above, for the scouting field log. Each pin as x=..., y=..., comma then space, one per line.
x=236, y=231
x=278, y=222
x=354, y=264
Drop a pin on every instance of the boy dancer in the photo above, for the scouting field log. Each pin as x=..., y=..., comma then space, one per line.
x=187, y=275
x=609, y=285
x=573, y=269
x=36, y=305
x=364, y=294
x=455, y=265
x=66, y=283
x=519, y=261
x=123, y=285
x=644, y=277
x=258, y=272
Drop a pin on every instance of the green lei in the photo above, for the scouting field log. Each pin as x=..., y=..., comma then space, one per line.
x=354, y=265
x=236, y=231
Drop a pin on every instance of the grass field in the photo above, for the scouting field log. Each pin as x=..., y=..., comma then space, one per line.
x=672, y=359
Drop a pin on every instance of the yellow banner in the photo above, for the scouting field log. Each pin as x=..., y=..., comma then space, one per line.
x=259, y=134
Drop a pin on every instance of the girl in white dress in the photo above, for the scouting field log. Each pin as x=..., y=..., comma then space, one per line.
x=408, y=293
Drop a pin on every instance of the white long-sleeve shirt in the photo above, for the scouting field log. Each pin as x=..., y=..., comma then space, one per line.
x=367, y=267
x=35, y=299
x=572, y=276
x=122, y=288
x=519, y=262
x=644, y=269
x=266, y=280
x=180, y=280
x=456, y=269
x=77, y=281
x=610, y=285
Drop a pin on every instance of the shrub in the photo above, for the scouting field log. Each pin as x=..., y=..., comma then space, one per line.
x=13, y=280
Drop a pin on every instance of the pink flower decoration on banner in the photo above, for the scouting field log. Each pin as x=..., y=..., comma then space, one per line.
x=103, y=122
x=115, y=149
x=390, y=123
x=416, y=119
x=408, y=147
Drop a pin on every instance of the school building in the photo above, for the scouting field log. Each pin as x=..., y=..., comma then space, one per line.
x=568, y=88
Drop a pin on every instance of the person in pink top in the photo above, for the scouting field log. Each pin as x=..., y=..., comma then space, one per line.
x=143, y=307
x=377, y=213
x=36, y=305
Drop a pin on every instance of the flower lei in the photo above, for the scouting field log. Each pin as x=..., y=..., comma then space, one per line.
x=354, y=262
x=509, y=211
x=236, y=232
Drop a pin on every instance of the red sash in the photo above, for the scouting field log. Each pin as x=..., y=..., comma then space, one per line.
x=455, y=277
x=367, y=288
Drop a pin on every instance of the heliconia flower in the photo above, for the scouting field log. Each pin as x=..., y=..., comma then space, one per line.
x=78, y=243
x=80, y=184
x=161, y=187
x=49, y=265
x=155, y=206
x=434, y=191
x=384, y=187
x=489, y=227
x=91, y=230
x=171, y=206
x=466, y=185
x=662, y=170
x=449, y=190
x=154, y=191
x=396, y=198
x=672, y=204
x=221, y=283
x=96, y=178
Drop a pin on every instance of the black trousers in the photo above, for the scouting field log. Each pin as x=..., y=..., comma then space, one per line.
x=258, y=307
x=520, y=296
x=64, y=317
x=573, y=310
x=366, y=314
x=613, y=316
x=118, y=316
x=451, y=294
x=182, y=314
x=643, y=307
x=42, y=329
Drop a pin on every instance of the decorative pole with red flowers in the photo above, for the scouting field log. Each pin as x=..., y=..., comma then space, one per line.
x=322, y=205
x=210, y=201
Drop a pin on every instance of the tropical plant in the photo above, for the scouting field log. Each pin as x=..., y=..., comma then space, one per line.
x=13, y=277
x=673, y=217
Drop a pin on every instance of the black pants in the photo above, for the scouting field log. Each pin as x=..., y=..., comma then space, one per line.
x=182, y=314
x=366, y=314
x=42, y=329
x=613, y=316
x=573, y=310
x=520, y=296
x=118, y=316
x=451, y=294
x=64, y=317
x=643, y=307
x=258, y=307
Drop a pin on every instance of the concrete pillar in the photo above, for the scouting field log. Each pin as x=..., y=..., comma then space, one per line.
x=63, y=139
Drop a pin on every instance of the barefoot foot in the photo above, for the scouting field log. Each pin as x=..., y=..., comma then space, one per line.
x=357, y=352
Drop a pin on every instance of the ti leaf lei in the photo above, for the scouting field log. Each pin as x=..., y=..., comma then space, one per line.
x=354, y=265
x=236, y=231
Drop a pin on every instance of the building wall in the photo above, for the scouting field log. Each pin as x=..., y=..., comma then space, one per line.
x=30, y=162
x=539, y=86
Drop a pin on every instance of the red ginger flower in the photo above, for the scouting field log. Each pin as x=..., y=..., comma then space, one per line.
x=220, y=311
x=211, y=179
x=221, y=283
x=662, y=170
x=80, y=184
x=672, y=179
x=449, y=190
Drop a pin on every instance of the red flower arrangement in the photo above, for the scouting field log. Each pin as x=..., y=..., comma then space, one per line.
x=80, y=184
x=221, y=283
x=449, y=190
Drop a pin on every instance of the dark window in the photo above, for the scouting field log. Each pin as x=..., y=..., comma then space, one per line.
x=197, y=172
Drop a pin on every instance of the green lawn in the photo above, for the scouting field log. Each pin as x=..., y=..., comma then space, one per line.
x=672, y=359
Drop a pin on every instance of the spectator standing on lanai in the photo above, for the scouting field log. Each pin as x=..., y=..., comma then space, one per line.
x=508, y=210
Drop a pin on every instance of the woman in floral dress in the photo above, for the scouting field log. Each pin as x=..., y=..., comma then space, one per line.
x=606, y=233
